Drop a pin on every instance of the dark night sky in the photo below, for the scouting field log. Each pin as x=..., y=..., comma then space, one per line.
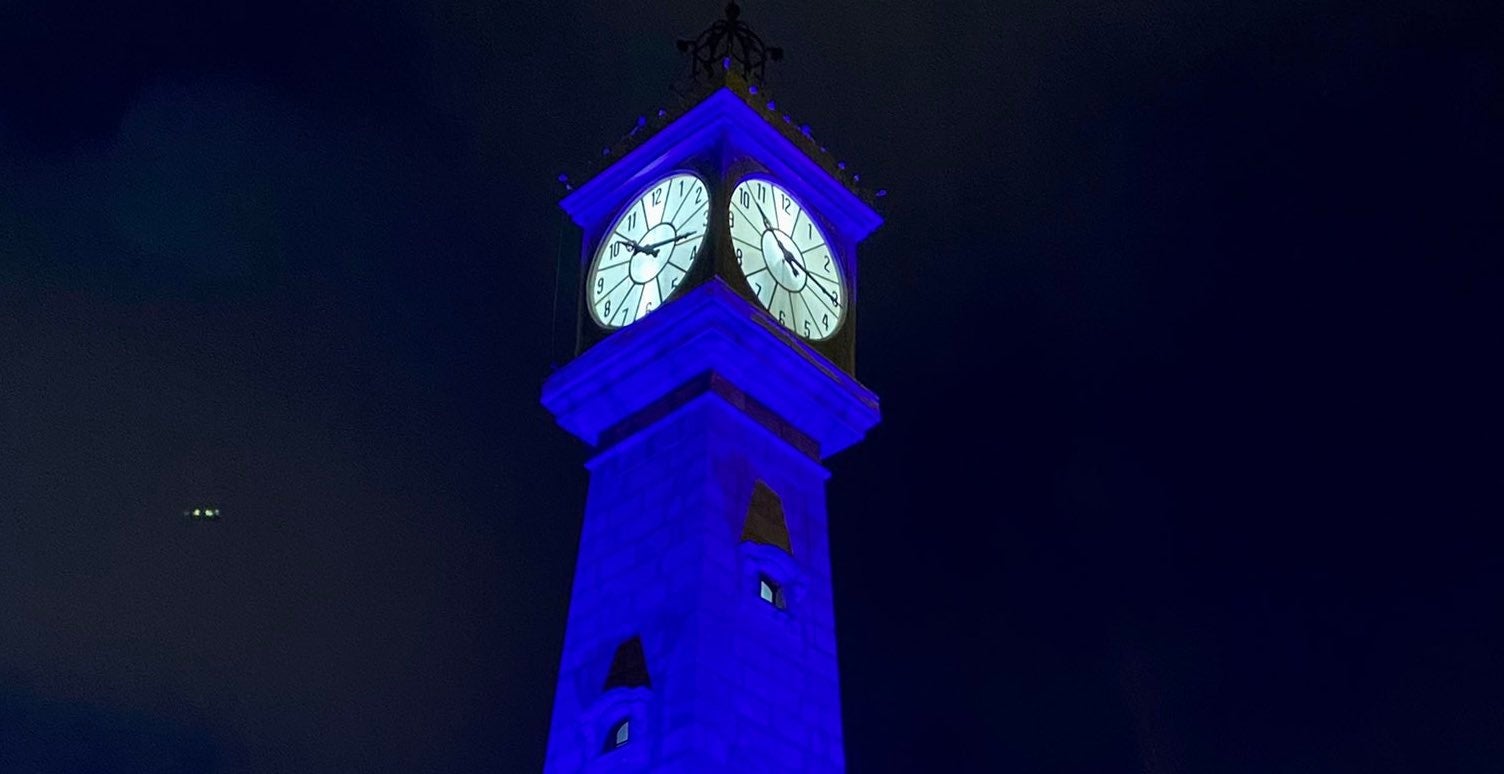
x=1185, y=320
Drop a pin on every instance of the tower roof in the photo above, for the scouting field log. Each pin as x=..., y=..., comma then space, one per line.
x=727, y=57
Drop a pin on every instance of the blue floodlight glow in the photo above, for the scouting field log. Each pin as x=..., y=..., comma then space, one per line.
x=737, y=636
x=709, y=328
x=673, y=572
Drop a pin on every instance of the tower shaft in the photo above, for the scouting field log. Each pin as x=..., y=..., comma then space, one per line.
x=736, y=681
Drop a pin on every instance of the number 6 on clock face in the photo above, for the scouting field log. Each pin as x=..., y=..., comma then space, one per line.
x=788, y=262
x=648, y=249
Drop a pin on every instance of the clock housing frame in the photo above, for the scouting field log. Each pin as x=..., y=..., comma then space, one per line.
x=723, y=139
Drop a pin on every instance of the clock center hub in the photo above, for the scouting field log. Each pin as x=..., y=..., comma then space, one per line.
x=784, y=263
x=645, y=264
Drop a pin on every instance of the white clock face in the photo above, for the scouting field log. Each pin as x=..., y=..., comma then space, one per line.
x=788, y=262
x=648, y=249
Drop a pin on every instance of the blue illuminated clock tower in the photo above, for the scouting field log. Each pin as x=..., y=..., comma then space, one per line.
x=714, y=374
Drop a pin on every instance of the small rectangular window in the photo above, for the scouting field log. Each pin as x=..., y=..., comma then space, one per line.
x=771, y=593
x=619, y=735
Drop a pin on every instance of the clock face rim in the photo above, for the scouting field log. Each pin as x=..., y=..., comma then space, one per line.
x=769, y=244
x=598, y=254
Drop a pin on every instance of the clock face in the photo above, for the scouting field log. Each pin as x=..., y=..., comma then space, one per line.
x=786, y=259
x=648, y=250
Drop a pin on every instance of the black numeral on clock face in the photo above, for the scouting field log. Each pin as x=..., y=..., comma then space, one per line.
x=600, y=285
x=632, y=220
x=738, y=256
x=788, y=205
x=746, y=198
x=657, y=196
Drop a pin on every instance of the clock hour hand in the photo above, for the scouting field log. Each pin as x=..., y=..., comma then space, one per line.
x=653, y=248
x=788, y=258
x=794, y=264
x=636, y=248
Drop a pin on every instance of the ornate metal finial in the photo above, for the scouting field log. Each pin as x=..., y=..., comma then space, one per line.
x=726, y=44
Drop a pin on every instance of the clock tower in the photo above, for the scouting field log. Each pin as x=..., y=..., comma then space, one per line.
x=717, y=316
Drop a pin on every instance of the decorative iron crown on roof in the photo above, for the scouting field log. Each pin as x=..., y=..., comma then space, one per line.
x=729, y=43
x=727, y=55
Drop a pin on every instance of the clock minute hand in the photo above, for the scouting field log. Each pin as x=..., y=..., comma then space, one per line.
x=833, y=300
x=767, y=226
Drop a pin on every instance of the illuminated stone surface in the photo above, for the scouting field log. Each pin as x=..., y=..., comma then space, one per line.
x=710, y=421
